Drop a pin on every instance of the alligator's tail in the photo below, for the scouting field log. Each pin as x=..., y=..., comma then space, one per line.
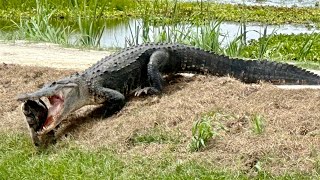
x=252, y=71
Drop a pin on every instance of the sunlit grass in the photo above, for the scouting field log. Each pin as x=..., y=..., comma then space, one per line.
x=164, y=11
x=39, y=27
x=257, y=124
x=20, y=160
x=89, y=26
x=202, y=132
x=154, y=135
x=299, y=47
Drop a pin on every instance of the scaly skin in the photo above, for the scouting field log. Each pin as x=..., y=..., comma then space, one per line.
x=139, y=69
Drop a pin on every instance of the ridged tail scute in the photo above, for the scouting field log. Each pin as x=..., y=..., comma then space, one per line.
x=248, y=71
x=252, y=71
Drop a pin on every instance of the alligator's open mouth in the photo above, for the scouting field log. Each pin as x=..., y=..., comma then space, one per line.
x=55, y=107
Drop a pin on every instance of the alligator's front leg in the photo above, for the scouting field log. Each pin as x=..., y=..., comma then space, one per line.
x=158, y=59
x=111, y=99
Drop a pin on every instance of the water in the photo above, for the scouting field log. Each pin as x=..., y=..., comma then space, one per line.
x=119, y=32
x=117, y=35
x=283, y=3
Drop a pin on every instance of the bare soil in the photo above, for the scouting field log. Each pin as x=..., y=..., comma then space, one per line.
x=48, y=55
x=290, y=141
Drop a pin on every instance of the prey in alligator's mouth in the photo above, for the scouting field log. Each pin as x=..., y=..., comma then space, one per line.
x=36, y=113
x=43, y=115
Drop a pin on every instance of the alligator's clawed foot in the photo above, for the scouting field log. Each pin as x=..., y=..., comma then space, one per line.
x=146, y=90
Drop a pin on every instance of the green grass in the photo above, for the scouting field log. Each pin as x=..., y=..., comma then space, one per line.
x=206, y=128
x=20, y=160
x=90, y=29
x=301, y=47
x=39, y=27
x=202, y=132
x=257, y=124
x=154, y=135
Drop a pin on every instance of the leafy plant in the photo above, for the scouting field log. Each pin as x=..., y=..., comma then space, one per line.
x=264, y=42
x=207, y=37
x=40, y=27
x=306, y=48
x=90, y=31
x=202, y=132
x=257, y=123
x=298, y=47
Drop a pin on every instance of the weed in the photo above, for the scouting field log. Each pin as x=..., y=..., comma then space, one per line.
x=40, y=28
x=299, y=47
x=306, y=48
x=234, y=48
x=169, y=10
x=202, y=132
x=257, y=123
x=207, y=37
x=134, y=38
x=90, y=31
x=264, y=42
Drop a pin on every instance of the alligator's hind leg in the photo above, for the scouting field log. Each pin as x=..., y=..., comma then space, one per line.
x=157, y=61
x=111, y=99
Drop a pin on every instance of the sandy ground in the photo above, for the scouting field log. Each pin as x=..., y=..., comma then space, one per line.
x=290, y=140
x=48, y=55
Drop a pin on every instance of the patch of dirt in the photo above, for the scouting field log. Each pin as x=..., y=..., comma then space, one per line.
x=290, y=142
x=48, y=55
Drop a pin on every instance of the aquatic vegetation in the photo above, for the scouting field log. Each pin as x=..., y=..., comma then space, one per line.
x=301, y=47
x=89, y=26
x=39, y=28
x=164, y=11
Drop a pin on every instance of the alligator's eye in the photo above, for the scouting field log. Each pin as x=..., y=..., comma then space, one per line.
x=53, y=83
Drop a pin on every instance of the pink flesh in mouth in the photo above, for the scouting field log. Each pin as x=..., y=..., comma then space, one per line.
x=56, y=104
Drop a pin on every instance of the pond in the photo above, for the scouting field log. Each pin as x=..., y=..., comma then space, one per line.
x=118, y=35
x=122, y=33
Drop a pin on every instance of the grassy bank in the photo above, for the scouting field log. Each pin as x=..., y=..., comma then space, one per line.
x=19, y=160
x=160, y=11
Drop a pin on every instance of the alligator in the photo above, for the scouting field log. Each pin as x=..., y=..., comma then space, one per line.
x=139, y=70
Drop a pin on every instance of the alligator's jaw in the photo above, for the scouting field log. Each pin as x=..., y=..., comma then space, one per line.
x=54, y=109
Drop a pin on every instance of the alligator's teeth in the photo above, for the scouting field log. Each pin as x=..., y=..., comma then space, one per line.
x=41, y=131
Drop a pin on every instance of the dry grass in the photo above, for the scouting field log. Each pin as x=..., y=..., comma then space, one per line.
x=290, y=141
